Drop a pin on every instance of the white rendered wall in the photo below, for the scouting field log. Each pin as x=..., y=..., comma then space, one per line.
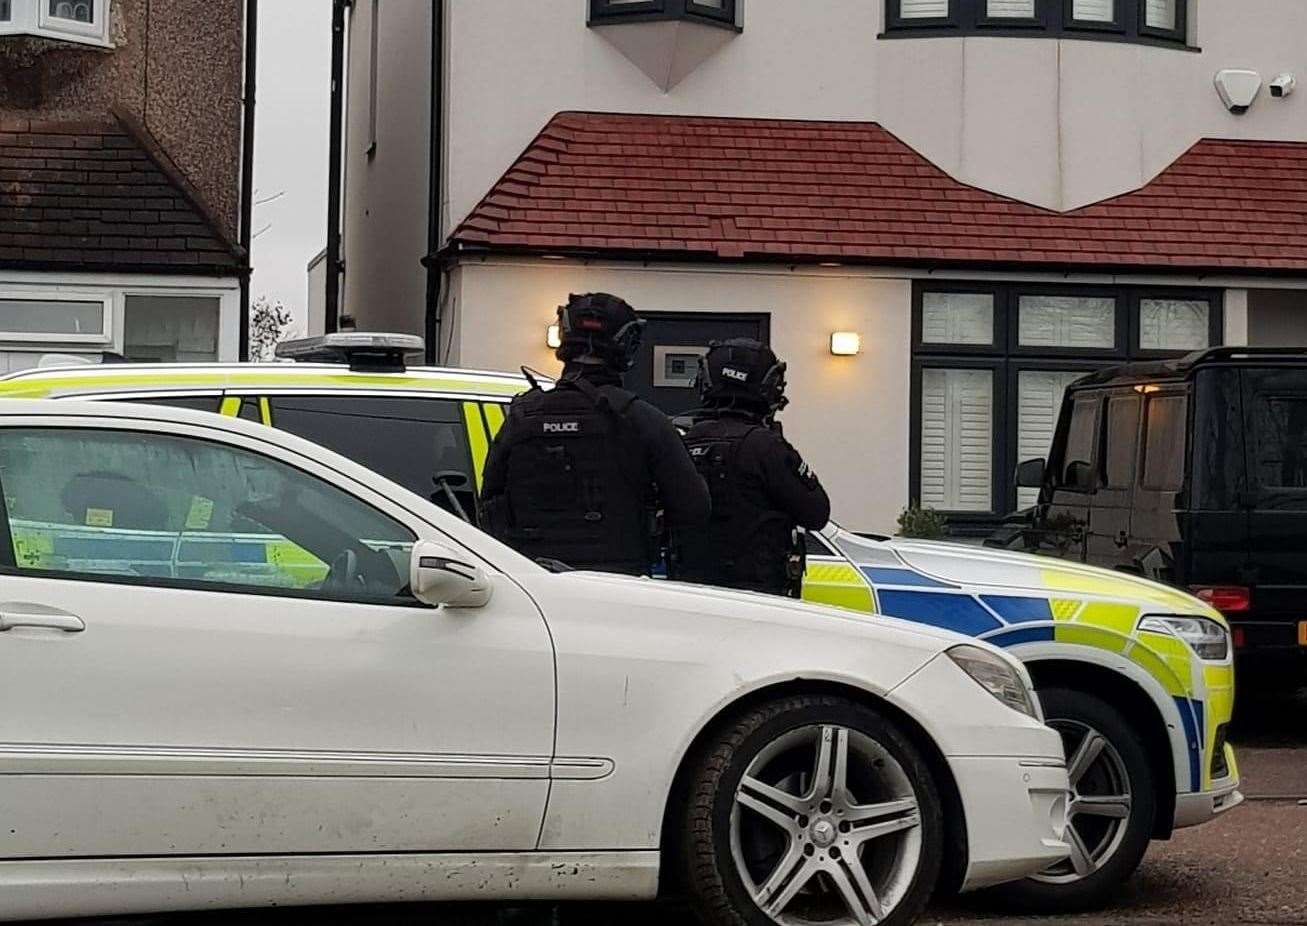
x=848, y=416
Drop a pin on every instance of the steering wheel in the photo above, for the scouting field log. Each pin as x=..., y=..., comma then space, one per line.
x=344, y=575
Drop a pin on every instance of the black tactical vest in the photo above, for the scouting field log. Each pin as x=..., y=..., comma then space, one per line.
x=747, y=543
x=579, y=488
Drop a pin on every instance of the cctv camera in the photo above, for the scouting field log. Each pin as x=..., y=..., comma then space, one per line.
x=1238, y=89
x=1283, y=85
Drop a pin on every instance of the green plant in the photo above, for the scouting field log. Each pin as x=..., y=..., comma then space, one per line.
x=922, y=524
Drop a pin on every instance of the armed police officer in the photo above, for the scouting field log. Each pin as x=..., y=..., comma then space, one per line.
x=762, y=490
x=578, y=472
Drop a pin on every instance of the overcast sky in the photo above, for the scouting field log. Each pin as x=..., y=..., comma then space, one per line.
x=290, y=139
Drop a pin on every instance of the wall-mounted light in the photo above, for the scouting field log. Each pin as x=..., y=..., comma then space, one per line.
x=845, y=343
x=553, y=337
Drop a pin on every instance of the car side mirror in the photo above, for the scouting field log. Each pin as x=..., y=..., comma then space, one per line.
x=1030, y=474
x=1079, y=476
x=440, y=576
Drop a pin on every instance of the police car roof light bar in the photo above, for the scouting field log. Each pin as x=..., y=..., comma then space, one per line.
x=363, y=351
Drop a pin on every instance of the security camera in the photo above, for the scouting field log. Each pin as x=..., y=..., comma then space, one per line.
x=1238, y=89
x=1283, y=85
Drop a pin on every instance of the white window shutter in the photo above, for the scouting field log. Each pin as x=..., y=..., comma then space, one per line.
x=957, y=318
x=923, y=9
x=1010, y=9
x=1160, y=14
x=1067, y=321
x=1039, y=400
x=957, y=440
x=1174, y=324
x=1094, y=11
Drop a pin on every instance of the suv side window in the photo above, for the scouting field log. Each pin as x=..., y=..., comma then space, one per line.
x=1121, y=442
x=1077, y=464
x=420, y=443
x=162, y=509
x=1164, y=443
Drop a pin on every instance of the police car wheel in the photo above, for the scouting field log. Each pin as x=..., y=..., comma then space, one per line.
x=1112, y=809
x=810, y=809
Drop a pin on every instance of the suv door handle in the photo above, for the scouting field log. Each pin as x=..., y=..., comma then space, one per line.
x=1122, y=539
x=34, y=615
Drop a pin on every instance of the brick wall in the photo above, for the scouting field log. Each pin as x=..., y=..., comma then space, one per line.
x=175, y=67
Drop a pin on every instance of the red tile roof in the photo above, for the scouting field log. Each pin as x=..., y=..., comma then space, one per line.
x=86, y=196
x=712, y=188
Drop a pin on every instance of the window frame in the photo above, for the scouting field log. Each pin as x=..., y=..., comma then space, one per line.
x=999, y=445
x=1071, y=24
x=607, y=12
x=1009, y=359
x=1053, y=19
x=105, y=338
x=33, y=17
x=232, y=443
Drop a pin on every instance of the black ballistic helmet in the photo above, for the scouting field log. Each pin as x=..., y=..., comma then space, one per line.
x=742, y=373
x=597, y=328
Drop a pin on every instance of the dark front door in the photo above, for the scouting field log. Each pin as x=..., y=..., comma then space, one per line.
x=665, y=369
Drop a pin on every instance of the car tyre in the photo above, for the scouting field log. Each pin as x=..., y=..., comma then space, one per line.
x=816, y=807
x=1116, y=778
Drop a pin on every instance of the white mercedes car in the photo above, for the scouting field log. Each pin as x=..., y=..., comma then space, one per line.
x=188, y=724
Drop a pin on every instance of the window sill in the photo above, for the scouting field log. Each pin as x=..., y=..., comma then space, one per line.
x=1085, y=35
x=60, y=38
x=629, y=18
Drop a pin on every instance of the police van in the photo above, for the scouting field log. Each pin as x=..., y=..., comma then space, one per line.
x=1136, y=676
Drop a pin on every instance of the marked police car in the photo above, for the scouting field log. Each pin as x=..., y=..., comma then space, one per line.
x=1137, y=677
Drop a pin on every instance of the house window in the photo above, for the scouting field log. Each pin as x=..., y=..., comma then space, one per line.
x=84, y=21
x=714, y=12
x=56, y=321
x=991, y=364
x=170, y=328
x=1157, y=22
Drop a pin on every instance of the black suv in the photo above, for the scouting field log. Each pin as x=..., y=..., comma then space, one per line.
x=1189, y=471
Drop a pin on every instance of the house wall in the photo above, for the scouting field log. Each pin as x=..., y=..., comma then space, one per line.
x=175, y=66
x=386, y=201
x=1277, y=318
x=848, y=416
x=1058, y=123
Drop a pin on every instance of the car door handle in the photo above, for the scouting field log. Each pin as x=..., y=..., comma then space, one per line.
x=13, y=616
x=1122, y=539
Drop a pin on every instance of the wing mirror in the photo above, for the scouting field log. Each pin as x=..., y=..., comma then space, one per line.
x=1030, y=474
x=438, y=576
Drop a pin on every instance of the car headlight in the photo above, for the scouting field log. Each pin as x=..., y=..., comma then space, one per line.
x=995, y=675
x=1209, y=639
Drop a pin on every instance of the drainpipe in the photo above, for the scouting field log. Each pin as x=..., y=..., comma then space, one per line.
x=247, y=173
x=334, y=169
x=431, y=328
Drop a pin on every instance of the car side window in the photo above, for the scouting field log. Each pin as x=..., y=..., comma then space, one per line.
x=1076, y=471
x=1164, y=443
x=1121, y=442
x=420, y=443
x=155, y=508
x=199, y=403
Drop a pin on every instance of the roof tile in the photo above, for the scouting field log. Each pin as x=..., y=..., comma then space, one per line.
x=87, y=194
x=738, y=187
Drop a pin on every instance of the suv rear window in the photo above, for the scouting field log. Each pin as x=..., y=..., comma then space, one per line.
x=1280, y=441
